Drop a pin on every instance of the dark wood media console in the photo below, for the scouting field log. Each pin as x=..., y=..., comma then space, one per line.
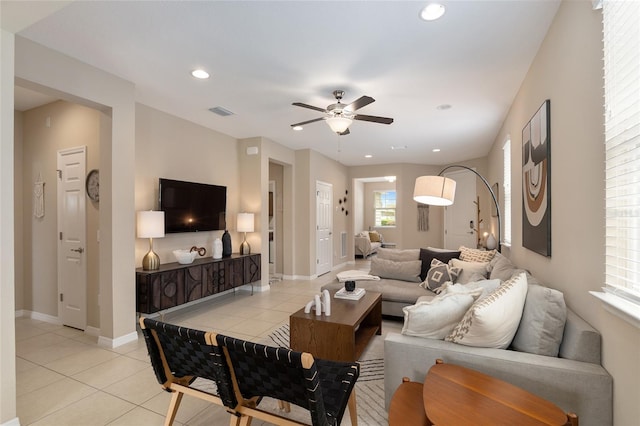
x=174, y=284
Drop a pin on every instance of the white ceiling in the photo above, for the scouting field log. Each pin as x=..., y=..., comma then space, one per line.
x=264, y=55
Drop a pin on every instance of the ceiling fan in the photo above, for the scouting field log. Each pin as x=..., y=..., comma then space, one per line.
x=340, y=116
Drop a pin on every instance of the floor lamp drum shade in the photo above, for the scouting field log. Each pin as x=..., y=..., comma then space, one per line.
x=245, y=224
x=150, y=224
x=434, y=190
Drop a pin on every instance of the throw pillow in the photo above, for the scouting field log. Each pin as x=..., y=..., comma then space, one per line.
x=469, y=271
x=374, y=236
x=438, y=274
x=437, y=317
x=399, y=255
x=475, y=255
x=428, y=254
x=404, y=271
x=493, y=321
x=487, y=287
x=500, y=267
x=542, y=325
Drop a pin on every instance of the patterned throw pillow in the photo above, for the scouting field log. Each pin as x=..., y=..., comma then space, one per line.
x=475, y=255
x=438, y=274
x=492, y=322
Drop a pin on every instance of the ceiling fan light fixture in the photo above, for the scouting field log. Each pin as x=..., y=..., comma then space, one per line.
x=200, y=74
x=339, y=124
x=432, y=11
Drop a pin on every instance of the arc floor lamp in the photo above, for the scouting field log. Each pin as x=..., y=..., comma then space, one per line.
x=440, y=191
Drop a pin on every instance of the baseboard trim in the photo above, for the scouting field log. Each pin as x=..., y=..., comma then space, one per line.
x=42, y=317
x=13, y=422
x=92, y=331
x=20, y=313
x=107, y=342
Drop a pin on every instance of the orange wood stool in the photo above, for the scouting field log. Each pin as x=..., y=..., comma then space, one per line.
x=407, y=405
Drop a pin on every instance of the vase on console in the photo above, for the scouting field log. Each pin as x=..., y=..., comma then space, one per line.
x=226, y=244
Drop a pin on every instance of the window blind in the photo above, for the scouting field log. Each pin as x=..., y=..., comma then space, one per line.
x=506, y=186
x=621, y=24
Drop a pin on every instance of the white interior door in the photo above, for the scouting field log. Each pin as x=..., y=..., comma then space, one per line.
x=72, y=264
x=460, y=217
x=324, y=227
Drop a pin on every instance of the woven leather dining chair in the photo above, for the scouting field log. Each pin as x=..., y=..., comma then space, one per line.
x=180, y=355
x=320, y=386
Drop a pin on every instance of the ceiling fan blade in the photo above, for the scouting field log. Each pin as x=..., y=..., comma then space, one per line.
x=346, y=132
x=308, y=121
x=300, y=104
x=359, y=103
x=373, y=118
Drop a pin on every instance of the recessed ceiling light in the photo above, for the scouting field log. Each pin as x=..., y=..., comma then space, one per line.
x=432, y=11
x=199, y=73
x=444, y=107
x=435, y=150
x=297, y=128
x=397, y=147
x=368, y=156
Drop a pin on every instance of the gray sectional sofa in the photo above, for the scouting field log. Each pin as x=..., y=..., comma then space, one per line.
x=574, y=379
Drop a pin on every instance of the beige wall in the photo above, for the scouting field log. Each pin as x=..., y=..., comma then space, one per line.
x=18, y=209
x=568, y=71
x=166, y=147
x=70, y=125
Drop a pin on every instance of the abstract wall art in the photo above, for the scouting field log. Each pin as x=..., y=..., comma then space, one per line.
x=536, y=182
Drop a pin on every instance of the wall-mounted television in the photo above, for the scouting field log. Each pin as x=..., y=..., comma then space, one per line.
x=192, y=207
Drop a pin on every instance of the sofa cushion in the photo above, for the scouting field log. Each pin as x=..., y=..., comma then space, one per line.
x=492, y=322
x=487, y=287
x=375, y=237
x=439, y=274
x=542, y=324
x=428, y=254
x=469, y=271
x=437, y=317
x=399, y=255
x=501, y=267
x=406, y=271
x=476, y=255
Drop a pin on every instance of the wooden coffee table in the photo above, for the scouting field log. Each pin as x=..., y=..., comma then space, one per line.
x=344, y=334
x=455, y=395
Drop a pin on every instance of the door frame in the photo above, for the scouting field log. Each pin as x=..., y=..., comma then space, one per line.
x=319, y=232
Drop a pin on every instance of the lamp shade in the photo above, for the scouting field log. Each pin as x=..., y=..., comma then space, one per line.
x=339, y=124
x=245, y=222
x=150, y=224
x=434, y=190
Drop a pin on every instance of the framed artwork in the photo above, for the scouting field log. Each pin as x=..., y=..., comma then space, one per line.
x=536, y=182
x=496, y=192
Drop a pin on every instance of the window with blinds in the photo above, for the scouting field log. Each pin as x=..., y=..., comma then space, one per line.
x=621, y=23
x=384, y=203
x=506, y=188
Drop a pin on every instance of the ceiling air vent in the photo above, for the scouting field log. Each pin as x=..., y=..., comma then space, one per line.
x=220, y=111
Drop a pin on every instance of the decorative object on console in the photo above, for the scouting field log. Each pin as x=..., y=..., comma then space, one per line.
x=440, y=191
x=226, y=244
x=150, y=224
x=536, y=182
x=217, y=248
x=201, y=250
x=185, y=257
x=245, y=224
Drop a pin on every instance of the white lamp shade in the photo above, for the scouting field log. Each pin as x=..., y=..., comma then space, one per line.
x=434, y=190
x=150, y=224
x=245, y=222
x=339, y=124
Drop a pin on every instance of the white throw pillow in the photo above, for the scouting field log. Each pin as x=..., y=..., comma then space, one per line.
x=487, y=287
x=436, y=318
x=470, y=270
x=493, y=321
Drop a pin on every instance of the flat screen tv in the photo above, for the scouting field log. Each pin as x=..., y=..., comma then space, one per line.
x=192, y=207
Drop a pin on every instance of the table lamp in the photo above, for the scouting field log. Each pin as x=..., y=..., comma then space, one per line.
x=150, y=225
x=245, y=224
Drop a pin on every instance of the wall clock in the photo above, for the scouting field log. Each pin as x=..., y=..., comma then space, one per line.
x=93, y=185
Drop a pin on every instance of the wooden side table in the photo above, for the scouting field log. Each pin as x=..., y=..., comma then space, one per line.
x=407, y=407
x=455, y=395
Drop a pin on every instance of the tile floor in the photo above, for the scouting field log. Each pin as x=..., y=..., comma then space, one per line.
x=65, y=378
